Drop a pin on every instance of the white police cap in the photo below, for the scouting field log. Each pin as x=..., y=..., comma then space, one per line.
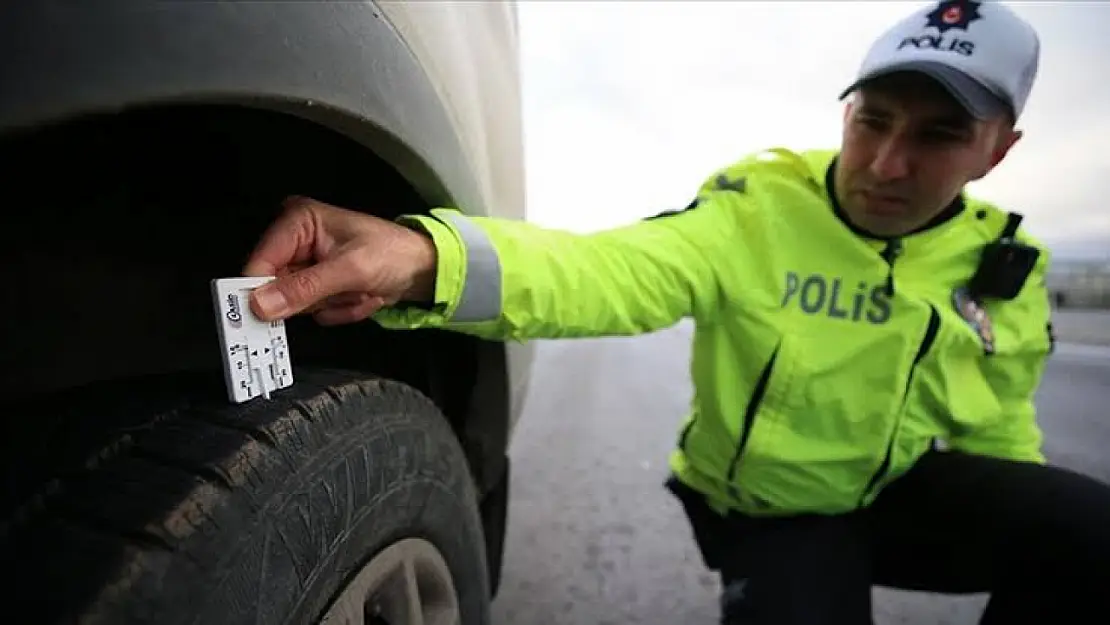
x=983, y=53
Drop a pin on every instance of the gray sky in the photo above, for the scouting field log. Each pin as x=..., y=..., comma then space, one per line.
x=630, y=105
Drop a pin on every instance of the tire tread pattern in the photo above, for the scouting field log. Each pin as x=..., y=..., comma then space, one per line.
x=127, y=510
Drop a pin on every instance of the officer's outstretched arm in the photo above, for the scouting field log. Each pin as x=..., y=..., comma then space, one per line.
x=512, y=280
x=1014, y=375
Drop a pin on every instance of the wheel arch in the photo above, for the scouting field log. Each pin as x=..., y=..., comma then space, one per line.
x=176, y=73
x=340, y=65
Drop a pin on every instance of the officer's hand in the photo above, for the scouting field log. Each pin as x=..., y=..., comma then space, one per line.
x=337, y=264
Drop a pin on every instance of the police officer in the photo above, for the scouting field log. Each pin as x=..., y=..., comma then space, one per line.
x=868, y=339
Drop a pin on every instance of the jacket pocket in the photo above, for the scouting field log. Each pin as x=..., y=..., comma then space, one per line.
x=751, y=412
x=952, y=388
x=928, y=340
x=826, y=430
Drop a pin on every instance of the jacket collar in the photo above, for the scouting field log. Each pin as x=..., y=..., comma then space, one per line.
x=950, y=212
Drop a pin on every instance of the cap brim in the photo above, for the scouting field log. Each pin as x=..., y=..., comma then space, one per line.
x=976, y=98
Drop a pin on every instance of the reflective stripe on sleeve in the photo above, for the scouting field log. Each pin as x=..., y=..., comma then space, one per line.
x=481, y=294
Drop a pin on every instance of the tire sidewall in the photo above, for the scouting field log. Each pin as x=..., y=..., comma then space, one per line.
x=447, y=520
x=378, y=472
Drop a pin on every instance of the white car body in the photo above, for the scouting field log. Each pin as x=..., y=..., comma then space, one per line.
x=477, y=73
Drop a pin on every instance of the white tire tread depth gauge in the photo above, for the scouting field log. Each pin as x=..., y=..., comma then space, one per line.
x=255, y=353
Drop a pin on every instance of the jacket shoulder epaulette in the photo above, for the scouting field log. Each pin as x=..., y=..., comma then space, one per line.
x=773, y=162
x=990, y=220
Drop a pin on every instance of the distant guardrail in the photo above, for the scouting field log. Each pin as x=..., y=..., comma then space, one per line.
x=1080, y=285
x=1085, y=326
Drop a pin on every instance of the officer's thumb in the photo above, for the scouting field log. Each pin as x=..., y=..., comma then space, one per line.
x=291, y=294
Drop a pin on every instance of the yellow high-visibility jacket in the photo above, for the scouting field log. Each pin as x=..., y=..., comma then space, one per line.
x=824, y=363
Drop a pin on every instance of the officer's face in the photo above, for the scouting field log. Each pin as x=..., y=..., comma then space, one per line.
x=908, y=149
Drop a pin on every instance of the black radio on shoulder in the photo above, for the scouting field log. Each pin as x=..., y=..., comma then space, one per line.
x=1005, y=265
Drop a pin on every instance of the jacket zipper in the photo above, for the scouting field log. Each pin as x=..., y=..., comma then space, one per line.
x=749, y=416
x=927, y=341
x=890, y=254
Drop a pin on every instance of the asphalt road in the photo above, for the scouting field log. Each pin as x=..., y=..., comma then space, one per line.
x=595, y=540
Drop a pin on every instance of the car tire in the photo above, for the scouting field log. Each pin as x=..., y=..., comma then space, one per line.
x=343, y=499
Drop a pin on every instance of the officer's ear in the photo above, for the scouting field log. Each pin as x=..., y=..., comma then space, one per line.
x=1008, y=136
x=1005, y=139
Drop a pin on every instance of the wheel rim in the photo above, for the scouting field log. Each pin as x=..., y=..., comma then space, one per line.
x=406, y=584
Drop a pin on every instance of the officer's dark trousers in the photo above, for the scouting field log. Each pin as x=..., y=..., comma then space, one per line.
x=1037, y=538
